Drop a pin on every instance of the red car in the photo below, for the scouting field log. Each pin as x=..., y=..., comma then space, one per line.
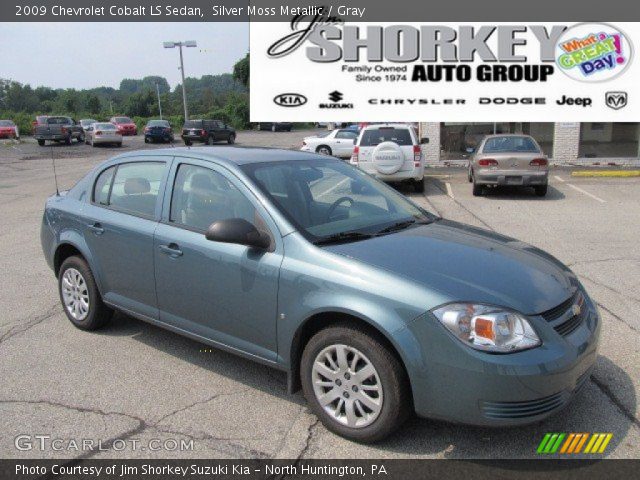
x=8, y=129
x=124, y=125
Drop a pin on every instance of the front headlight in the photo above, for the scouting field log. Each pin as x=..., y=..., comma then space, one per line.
x=488, y=328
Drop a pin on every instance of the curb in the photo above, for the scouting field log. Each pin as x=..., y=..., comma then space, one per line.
x=606, y=173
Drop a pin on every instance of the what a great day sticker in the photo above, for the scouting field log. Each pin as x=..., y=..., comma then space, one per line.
x=593, y=52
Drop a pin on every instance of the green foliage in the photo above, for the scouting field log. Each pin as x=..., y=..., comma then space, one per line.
x=222, y=96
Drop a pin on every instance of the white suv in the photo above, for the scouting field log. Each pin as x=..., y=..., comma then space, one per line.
x=392, y=153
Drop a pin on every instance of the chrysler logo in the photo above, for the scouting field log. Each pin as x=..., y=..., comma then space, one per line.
x=290, y=99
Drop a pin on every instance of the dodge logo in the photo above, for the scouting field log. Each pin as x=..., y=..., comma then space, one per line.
x=616, y=100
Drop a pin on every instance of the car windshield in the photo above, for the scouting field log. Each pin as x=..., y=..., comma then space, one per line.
x=193, y=124
x=58, y=121
x=104, y=126
x=328, y=199
x=510, y=144
x=123, y=120
x=6, y=123
x=158, y=123
x=86, y=122
x=374, y=136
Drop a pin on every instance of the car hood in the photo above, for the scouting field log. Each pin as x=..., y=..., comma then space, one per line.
x=469, y=264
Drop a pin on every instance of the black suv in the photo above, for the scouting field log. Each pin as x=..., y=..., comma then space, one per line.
x=207, y=131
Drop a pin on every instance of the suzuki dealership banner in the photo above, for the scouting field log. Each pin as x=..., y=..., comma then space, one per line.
x=318, y=67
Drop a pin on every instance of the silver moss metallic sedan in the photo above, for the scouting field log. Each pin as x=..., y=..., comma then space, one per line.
x=375, y=307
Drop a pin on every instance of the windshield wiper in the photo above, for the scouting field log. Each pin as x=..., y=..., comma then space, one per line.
x=396, y=226
x=343, y=237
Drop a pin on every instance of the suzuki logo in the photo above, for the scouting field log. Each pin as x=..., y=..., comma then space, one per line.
x=336, y=96
x=616, y=100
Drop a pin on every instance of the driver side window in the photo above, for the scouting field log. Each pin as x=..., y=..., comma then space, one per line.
x=202, y=196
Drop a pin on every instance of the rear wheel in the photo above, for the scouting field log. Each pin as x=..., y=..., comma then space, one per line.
x=79, y=295
x=41, y=143
x=210, y=140
x=418, y=186
x=232, y=139
x=323, y=150
x=541, y=190
x=478, y=190
x=147, y=140
x=354, y=384
x=188, y=143
x=67, y=141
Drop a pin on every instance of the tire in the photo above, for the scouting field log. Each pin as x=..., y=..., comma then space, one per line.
x=477, y=190
x=324, y=150
x=418, y=186
x=67, y=141
x=41, y=143
x=80, y=138
x=232, y=139
x=119, y=145
x=470, y=175
x=210, y=140
x=188, y=143
x=97, y=313
x=541, y=190
x=146, y=140
x=389, y=375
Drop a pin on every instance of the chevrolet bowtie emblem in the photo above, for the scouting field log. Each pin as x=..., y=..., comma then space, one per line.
x=576, y=309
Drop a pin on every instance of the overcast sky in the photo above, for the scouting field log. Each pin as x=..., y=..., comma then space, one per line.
x=85, y=55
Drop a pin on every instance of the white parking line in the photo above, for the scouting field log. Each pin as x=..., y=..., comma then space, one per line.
x=578, y=189
x=449, y=190
x=558, y=178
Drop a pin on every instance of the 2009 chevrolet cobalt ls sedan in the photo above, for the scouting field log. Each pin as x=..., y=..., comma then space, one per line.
x=374, y=306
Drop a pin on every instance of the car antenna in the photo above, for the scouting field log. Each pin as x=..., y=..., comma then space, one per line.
x=55, y=175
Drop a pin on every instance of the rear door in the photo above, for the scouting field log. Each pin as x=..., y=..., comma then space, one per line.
x=344, y=142
x=119, y=225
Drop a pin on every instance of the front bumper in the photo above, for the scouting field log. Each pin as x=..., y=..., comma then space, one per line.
x=522, y=178
x=453, y=382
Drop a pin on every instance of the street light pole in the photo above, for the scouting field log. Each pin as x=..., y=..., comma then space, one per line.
x=159, y=103
x=188, y=43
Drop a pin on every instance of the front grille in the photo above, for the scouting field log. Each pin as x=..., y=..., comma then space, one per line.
x=531, y=408
x=557, y=312
x=570, y=325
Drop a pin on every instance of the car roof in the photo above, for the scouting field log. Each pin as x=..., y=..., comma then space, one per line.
x=387, y=125
x=231, y=155
x=508, y=135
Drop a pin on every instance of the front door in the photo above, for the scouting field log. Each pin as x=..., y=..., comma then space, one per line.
x=223, y=292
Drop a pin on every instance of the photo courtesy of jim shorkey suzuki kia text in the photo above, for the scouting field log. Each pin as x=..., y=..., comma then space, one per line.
x=281, y=239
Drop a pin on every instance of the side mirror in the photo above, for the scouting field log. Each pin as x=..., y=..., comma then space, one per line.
x=424, y=140
x=237, y=230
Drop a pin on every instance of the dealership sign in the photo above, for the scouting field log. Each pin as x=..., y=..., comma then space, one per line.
x=443, y=72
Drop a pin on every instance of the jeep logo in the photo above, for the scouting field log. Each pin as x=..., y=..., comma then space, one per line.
x=290, y=100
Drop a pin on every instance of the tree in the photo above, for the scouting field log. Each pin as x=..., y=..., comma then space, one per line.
x=241, y=71
x=93, y=104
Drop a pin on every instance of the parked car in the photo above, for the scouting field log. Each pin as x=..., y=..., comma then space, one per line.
x=8, y=129
x=158, y=130
x=87, y=122
x=392, y=153
x=59, y=129
x=125, y=125
x=512, y=159
x=207, y=131
x=40, y=120
x=276, y=126
x=338, y=143
x=102, y=133
x=373, y=305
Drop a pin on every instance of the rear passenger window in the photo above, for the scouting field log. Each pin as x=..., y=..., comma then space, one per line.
x=103, y=184
x=136, y=186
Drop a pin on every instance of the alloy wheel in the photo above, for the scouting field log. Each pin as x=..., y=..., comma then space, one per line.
x=347, y=386
x=75, y=294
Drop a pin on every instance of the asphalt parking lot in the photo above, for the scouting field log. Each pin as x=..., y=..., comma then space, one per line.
x=133, y=381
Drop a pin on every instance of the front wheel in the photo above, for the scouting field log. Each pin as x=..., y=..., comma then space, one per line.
x=323, y=150
x=354, y=384
x=79, y=295
x=232, y=139
x=41, y=143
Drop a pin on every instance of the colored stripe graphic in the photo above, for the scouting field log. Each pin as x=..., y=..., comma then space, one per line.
x=572, y=443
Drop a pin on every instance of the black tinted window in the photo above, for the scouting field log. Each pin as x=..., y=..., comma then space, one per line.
x=193, y=124
x=375, y=136
x=102, y=186
x=346, y=134
x=510, y=144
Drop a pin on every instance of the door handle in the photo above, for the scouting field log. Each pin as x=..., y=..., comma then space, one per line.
x=172, y=250
x=96, y=228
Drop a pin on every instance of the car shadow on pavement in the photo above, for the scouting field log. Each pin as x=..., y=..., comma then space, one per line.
x=595, y=409
x=521, y=193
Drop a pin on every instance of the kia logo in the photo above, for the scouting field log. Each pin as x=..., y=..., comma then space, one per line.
x=290, y=100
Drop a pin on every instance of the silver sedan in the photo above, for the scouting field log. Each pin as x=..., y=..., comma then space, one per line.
x=102, y=133
x=515, y=160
